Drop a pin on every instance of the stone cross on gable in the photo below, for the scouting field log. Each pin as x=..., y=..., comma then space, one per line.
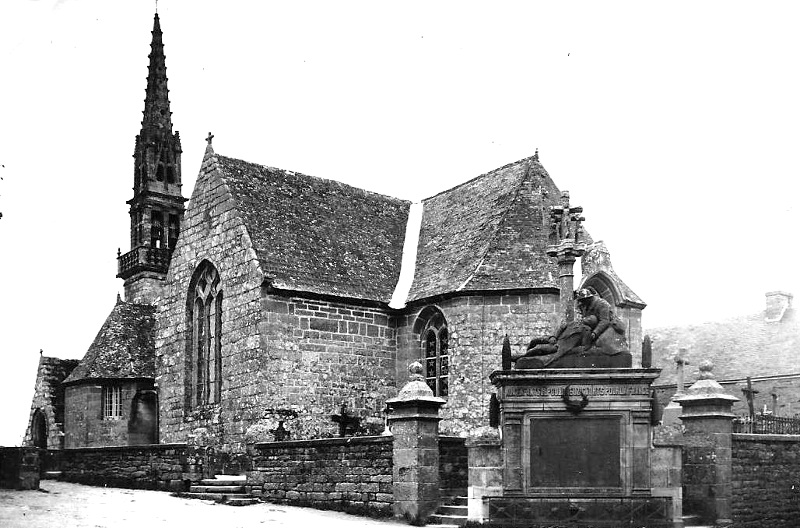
x=566, y=246
x=209, y=138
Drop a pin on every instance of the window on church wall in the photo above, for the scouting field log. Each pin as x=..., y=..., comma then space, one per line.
x=112, y=402
x=436, y=356
x=206, y=338
x=160, y=172
x=170, y=174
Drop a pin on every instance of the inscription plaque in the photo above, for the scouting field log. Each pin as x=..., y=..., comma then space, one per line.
x=575, y=452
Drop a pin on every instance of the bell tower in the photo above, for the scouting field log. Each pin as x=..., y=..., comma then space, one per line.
x=157, y=206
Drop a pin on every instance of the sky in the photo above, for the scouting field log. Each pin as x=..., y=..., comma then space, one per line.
x=674, y=125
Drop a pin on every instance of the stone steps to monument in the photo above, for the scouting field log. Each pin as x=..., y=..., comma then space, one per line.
x=693, y=521
x=447, y=521
x=452, y=512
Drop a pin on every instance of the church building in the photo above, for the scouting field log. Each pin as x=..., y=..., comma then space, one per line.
x=274, y=301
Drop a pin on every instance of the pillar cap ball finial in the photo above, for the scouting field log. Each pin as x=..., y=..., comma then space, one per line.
x=706, y=366
x=415, y=371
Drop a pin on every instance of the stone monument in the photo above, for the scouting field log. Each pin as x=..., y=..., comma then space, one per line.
x=575, y=418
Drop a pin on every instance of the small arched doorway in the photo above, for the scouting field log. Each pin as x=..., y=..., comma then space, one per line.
x=39, y=429
x=143, y=424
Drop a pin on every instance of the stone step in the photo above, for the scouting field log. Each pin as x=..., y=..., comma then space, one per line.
x=222, y=498
x=693, y=521
x=241, y=501
x=51, y=475
x=447, y=520
x=222, y=482
x=453, y=509
x=216, y=489
x=455, y=501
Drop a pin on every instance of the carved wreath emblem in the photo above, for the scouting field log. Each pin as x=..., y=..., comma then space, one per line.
x=574, y=406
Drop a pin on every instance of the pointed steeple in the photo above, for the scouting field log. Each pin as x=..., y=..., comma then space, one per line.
x=157, y=206
x=157, y=120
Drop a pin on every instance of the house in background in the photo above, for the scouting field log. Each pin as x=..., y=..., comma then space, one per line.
x=763, y=346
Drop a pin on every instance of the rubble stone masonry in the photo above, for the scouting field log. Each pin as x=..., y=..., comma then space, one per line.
x=345, y=474
x=766, y=485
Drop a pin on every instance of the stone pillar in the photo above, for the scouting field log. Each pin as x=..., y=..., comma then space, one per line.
x=707, y=459
x=485, y=461
x=414, y=422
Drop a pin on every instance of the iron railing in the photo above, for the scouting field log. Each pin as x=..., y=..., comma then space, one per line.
x=767, y=424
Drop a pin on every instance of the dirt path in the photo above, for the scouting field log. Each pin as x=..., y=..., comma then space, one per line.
x=76, y=506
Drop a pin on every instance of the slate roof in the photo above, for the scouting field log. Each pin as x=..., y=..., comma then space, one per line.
x=51, y=373
x=124, y=347
x=738, y=347
x=316, y=235
x=489, y=233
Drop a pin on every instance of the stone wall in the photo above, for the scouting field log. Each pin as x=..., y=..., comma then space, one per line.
x=345, y=474
x=477, y=325
x=84, y=424
x=317, y=355
x=453, y=470
x=766, y=484
x=140, y=467
x=20, y=467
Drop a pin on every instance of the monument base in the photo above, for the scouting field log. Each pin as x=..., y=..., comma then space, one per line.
x=576, y=445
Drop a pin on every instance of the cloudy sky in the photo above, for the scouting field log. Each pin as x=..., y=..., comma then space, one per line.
x=674, y=124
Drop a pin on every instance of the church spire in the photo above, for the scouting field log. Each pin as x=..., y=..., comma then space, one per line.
x=157, y=206
x=157, y=120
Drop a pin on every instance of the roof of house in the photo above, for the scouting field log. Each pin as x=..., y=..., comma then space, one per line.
x=124, y=347
x=490, y=233
x=316, y=235
x=738, y=347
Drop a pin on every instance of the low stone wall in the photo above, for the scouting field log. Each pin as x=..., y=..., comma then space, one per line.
x=157, y=466
x=453, y=463
x=766, y=482
x=20, y=467
x=353, y=475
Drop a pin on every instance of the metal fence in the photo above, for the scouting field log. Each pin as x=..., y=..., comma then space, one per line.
x=767, y=424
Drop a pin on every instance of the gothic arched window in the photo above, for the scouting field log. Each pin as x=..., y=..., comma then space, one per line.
x=436, y=354
x=204, y=339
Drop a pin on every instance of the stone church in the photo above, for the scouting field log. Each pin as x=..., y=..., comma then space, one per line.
x=275, y=303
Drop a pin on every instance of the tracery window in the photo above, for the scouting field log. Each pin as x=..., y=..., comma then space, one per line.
x=435, y=344
x=205, y=337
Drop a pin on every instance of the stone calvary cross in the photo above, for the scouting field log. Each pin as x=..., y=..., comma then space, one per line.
x=566, y=244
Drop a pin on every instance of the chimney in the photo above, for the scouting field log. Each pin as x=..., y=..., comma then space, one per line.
x=777, y=304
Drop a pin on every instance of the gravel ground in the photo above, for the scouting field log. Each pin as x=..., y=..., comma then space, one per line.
x=77, y=506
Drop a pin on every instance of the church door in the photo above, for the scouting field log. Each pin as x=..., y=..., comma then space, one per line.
x=39, y=429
